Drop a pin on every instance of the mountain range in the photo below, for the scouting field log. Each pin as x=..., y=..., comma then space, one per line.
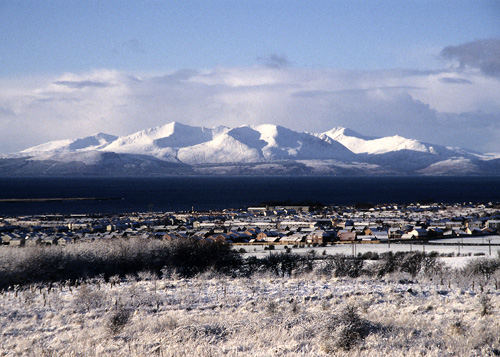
x=178, y=149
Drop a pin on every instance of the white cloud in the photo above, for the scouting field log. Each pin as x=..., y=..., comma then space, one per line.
x=460, y=108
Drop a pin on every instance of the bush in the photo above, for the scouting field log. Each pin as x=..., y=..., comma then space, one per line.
x=411, y=263
x=281, y=264
x=370, y=256
x=347, y=329
x=352, y=328
x=486, y=305
x=186, y=257
x=386, y=264
x=340, y=266
x=483, y=267
x=118, y=319
x=88, y=298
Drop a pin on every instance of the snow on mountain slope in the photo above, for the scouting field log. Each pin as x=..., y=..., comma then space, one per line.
x=454, y=166
x=285, y=144
x=90, y=157
x=365, y=145
x=263, y=143
x=90, y=143
x=236, y=145
x=249, y=149
x=51, y=146
x=164, y=141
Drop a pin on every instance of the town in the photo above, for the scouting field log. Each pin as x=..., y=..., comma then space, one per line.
x=266, y=225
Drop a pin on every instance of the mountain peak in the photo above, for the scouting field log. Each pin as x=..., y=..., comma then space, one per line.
x=268, y=144
x=339, y=132
x=93, y=142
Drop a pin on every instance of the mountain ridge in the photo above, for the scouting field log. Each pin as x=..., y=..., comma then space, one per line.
x=260, y=150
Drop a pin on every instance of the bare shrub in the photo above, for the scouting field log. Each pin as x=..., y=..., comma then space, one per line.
x=412, y=263
x=88, y=260
x=483, y=267
x=118, y=319
x=486, y=305
x=346, y=330
x=88, y=298
x=340, y=266
x=271, y=307
x=369, y=256
x=167, y=323
x=282, y=264
x=191, y=256
x=211, y=333
x=458, y=328
x=385, y=265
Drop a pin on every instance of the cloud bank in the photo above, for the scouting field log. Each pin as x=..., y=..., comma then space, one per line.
x=458, y=106
x=482, y=54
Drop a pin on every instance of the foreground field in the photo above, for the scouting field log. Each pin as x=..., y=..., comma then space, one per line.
x=211, y=315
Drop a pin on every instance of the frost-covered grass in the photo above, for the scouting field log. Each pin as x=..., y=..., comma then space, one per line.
x=310, y=313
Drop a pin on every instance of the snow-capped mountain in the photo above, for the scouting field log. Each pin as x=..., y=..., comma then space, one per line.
x=361, y=144
x=94, y=142
x=163, y=142
x=264, y=143
x=176, y=148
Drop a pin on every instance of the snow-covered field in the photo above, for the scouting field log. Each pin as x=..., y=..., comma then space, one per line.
x=462, y=253
x=213, y=315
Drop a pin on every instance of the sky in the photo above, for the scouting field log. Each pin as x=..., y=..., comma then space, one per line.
x=427, y=70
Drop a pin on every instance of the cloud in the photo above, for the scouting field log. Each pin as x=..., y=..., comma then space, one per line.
x=481, y=54
x=129, y=47
x=274, y=61
x=453, y=108
x=455, y=80
x=133, y=45
x=82, y=84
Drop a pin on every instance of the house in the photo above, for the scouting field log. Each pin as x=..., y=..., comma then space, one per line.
x=65, y=240
x=474, y=224
x=435, y=232
x=450, y=233
x=379, y=234
x=241, y=237
x=268, y=236
x=320, y=236
x=6, y=238
x=49, y=240
x=294, y=238
x=395, y=233
x=17, y=242
x=455, y=225
x=34, y=240
x=316, y=237
x=407, y=236
x=221, y=237
x=487, y=231
x=493, y=224
x=347, y=235
x=419, y=233
x=473, y=231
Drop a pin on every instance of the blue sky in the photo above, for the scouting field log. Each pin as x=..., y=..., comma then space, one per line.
x=57, y=36
x=72, y=68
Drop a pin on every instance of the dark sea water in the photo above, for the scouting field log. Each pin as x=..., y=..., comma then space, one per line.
x=202, y=193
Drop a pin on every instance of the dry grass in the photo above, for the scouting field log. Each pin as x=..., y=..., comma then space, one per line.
x=213, y=315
